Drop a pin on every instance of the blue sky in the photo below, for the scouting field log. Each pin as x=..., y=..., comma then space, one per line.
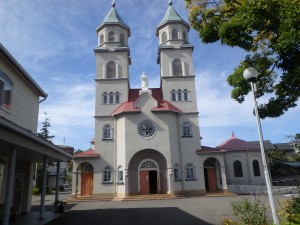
x=54, y=40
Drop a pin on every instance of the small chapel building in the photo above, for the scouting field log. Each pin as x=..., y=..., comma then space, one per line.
x=147, y=141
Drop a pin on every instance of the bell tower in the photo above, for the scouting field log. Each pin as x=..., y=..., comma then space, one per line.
x=112, y=63
x=175, y=59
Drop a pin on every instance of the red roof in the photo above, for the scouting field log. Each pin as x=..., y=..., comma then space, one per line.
x=87, y=154
x=206, y=149
x=133, y=95
x=234, y=144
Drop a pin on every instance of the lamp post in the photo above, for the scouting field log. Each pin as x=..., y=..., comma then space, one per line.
x=250, y=74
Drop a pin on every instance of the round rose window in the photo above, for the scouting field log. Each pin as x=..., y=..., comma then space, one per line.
x=146, y=129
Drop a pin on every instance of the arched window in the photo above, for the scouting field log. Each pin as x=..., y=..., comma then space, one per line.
x=111, y=70
x=186, y=129
x=117, y=97
x=174, y=34
x=256, y=170
x=176, y=172
x=173, y=95
x=107, y=134
x=190, y=171
x=184, y=35
x=163, y=37
x=120, y=174
x=122, y=39
x=185, y=95
x=179, y=95
x=105, y=101
x=107, y=175
x=238, y=169
x=177, y=67
x=111, y=36
x=5, y=91
x=101, y=38
x=111, y=97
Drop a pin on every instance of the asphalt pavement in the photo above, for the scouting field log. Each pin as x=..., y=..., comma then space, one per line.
x=188, y=211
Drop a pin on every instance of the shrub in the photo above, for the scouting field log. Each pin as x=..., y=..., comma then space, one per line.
x=290, y=210
x=254, y=213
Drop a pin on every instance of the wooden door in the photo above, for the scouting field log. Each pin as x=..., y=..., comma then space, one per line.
x=212, y=179
x=87, y=183
x=144, y=182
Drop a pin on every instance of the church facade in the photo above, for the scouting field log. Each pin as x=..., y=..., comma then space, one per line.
x=147, y=141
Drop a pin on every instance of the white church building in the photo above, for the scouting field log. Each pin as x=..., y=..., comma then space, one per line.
x=147, y=141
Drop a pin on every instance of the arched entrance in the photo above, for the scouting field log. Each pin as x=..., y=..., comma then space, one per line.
x=148, y=177
x=211, y=170
x=147, y=173
x=87, y=179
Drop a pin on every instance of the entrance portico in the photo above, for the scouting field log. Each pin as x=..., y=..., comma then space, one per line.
x=147, y=173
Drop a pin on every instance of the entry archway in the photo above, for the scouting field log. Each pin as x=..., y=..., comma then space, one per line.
x=211, y=173
x=87, y=179
x=147, y=173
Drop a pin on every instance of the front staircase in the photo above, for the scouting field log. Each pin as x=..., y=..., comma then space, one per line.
x=151, y=197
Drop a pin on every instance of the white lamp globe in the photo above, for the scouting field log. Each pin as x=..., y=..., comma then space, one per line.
x=250, y=74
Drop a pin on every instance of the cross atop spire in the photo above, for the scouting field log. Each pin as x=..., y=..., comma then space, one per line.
x=113, y=4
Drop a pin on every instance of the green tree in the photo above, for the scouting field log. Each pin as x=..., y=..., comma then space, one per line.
x=269, y=30
x=45, y=129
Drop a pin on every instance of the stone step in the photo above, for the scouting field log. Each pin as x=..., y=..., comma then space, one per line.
x=151, y=197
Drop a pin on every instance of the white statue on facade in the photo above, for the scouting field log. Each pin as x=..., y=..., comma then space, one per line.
x=145, y=81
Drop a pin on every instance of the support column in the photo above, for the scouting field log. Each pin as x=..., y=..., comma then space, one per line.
x=74, y=182
x=104, y=72
x=117, y=70
x=57, y=184
x=79, y=183
x=9, y=185
x=171, y=69
x=43, y=191
x=224, y=181
x=183, y=68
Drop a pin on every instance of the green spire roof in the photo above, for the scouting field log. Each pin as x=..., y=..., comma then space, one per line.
x=171, y=16
x=113, y=17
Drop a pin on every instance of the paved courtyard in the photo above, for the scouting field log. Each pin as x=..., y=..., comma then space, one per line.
x=188, y=211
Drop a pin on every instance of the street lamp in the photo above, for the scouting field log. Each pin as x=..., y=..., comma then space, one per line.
x=250, y=74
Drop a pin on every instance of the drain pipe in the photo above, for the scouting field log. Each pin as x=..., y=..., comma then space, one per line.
x=180, y=155
x=115, y=155
x=45, y=97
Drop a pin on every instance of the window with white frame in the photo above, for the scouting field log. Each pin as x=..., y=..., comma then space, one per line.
x=184, y=36
x=256, y=170
x=177, y=67
x=190, y=172
x=111, y=70
x=186, y=129
x=179, y=95
x=111, y=36
x=107, y=175
x=107, y=132
x=120, y=174
x=185, y=95
x=163, y=37
x=111, y=98
x=122, y=39
x=173, y=95
x=101, y=39
x=5, y=91
x=237, y=168
x=117, y=97
x=105, y=100
x=174, y=34
x=176, y=172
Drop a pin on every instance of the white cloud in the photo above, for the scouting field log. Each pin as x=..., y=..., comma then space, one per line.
x=215, y=105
